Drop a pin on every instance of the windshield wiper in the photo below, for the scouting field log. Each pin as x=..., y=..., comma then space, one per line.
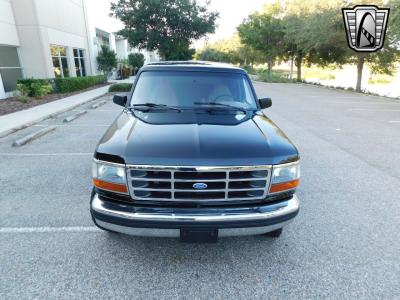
x=149, y=105
x=221, y=104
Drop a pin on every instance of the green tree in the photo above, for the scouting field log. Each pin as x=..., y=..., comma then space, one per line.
x=168, y=26
x=295, y=16
x=247, y=56
x=230, y=50
x=294, y=43
x=328, y=45
x=136, y=60
x=313, y=32
x=211, y=54
x=179, y=51
x=394, y=20
x=106, y=60
x=263, y=32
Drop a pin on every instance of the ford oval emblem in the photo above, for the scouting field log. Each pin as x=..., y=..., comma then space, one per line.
x=200, y=186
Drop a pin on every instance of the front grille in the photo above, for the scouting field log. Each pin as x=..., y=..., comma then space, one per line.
x=177, y=183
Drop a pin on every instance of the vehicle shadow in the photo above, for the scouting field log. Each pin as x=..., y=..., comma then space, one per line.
x=172, y=250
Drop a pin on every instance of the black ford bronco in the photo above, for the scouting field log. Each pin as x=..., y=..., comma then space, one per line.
x=193, y=156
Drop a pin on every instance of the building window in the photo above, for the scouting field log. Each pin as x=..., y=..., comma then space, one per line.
x=79, y=58
x=103, y=38
x=10, y=68
x=60, y=61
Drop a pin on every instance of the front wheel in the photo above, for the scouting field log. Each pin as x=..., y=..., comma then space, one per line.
x=274, y=234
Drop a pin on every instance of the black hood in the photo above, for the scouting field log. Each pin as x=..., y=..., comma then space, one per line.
x=194, y=138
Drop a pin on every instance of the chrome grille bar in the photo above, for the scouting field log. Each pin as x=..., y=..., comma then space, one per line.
x=176, y=183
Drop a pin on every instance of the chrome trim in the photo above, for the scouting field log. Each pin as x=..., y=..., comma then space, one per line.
x=175, y=233
x=292, y=206
x=287, y=164
x=97, y=161
x=201, y=168
x=172, y=190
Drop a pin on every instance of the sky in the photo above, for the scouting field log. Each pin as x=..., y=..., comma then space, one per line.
x=232, y=12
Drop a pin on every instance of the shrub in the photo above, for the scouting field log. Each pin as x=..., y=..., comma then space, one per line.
x=277, y=76
x=23, y=92
x=72, y=84
x=249, y=69
x=120, y=87
x=36, y=87
x=29, y=81
x=39, y=89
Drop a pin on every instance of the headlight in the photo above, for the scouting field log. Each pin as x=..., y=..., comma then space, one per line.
x=109, y=177
x=285, y=177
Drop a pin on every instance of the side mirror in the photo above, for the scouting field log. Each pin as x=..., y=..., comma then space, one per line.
x=120, y=99
x=265, y=102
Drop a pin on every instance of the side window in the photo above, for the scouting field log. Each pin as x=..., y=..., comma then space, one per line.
x=247, y=92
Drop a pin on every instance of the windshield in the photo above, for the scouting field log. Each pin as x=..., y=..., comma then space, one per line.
x=193, y=89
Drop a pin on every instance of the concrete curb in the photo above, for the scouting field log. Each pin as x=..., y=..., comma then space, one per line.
x=43, y=116
x=33, y=136
x=98, y=104
x=74, y=116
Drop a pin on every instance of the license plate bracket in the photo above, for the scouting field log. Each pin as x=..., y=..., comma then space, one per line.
x=199, y=235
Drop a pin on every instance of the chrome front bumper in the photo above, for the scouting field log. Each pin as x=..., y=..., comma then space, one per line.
x=165, y=222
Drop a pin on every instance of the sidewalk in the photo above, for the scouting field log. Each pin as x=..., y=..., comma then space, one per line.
x=21, y=119
x=131, y=79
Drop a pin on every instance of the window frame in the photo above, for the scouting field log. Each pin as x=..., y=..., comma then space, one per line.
x=59, y=57
x=80, y=58
x=15, y=66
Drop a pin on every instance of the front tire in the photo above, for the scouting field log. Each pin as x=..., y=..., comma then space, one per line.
x=274, y=234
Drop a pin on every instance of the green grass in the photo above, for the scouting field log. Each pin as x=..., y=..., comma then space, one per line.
x=282, y=75
x=380, y=79
x=318, y=73
x=277, y=76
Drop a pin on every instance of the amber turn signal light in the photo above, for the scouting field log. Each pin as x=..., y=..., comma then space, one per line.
x=280, y=187
x=120, y=188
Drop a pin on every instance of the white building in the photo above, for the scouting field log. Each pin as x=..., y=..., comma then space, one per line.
x=123, y=49
x=51, y=38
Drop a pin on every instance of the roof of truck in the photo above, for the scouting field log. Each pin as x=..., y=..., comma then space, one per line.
x=192, y=66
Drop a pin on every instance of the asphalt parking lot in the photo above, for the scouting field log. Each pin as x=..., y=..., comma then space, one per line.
x=345, y=243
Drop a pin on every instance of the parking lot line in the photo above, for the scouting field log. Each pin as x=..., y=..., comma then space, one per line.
x=372, y=109
x=103, y=110
x=47, y=154
x=48, y=229
x=365, y=102
x=75, y=125
x=337, y=97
